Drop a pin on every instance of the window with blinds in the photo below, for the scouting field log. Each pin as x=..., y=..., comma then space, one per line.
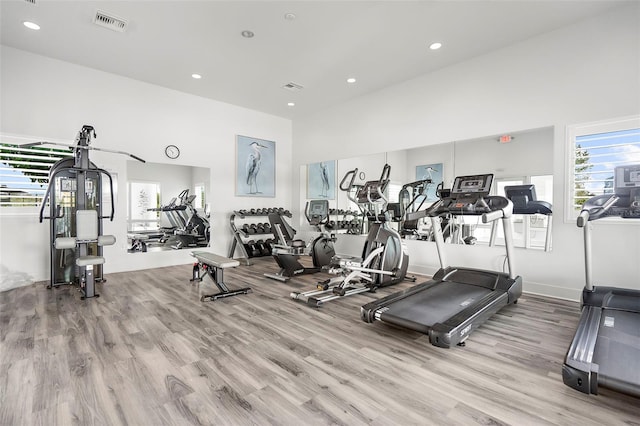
x=24, y=174
x=596, y=149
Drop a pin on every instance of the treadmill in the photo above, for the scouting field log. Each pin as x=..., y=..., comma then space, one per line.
x=605, y=351
x=525, y=202
x=456, y=300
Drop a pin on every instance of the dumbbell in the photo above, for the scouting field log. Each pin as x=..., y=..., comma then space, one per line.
x=264, y=250
x=255, y=250
x=245, y=228
x=260, y=228
x=252, y=211
x=248, y=247
x=267, y=228
x=253, y=228
x=242, y=212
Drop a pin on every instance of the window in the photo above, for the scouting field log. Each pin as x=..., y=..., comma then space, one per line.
x=595, y=149
x=24, y=173
x=199, y=192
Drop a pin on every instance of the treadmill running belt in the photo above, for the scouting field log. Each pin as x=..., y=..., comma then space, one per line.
x=617, y=351
x=435, y=305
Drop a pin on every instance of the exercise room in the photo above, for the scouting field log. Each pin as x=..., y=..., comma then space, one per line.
x=319, y=212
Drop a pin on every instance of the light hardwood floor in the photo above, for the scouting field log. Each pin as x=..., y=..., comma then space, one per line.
x=148, y=352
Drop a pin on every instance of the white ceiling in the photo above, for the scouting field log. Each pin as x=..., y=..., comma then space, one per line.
x=378, y=42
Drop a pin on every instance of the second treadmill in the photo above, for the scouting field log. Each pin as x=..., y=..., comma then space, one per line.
x=456, y=300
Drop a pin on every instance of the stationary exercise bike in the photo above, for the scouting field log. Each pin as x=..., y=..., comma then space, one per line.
x=287, y=250
x=384, y=256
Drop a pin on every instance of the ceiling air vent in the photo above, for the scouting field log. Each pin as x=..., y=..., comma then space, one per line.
x=294, y=87
x=110, y=21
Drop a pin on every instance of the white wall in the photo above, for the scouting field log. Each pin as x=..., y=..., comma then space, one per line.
x=47, y=98
x=586, y=72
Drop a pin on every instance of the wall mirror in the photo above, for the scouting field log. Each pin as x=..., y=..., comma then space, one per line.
x=525, y=159
x=167, y=207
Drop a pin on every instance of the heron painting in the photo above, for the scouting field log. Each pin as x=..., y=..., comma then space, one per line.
x=255, y=167
x=435, y=172
x=321, y=181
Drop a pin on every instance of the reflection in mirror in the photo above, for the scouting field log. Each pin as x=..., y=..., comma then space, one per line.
x=523, y=158
x=167, y=207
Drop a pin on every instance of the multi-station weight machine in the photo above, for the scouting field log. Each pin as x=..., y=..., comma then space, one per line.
x=74, y=196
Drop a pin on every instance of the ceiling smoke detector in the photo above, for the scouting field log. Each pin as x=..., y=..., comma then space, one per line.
x=294, y=87
x=110, y=21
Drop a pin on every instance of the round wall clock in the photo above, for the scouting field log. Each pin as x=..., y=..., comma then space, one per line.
x=172, y=151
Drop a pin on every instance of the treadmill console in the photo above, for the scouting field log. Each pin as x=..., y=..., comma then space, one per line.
x=624, y=202
x=471, y=186
x=469, y=196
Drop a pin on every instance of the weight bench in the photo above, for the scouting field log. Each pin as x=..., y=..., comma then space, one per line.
x=214, y=266
x=138, y=242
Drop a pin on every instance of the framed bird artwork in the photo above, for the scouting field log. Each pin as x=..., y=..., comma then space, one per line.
x=321, y=180
x=255, y=167
x=435, y=172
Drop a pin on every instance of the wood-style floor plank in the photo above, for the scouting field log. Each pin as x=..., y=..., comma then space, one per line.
x=148, y=352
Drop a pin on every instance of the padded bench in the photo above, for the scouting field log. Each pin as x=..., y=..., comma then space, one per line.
x=214, y=266
x=138, y=242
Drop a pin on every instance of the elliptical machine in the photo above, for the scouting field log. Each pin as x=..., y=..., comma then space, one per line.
x=288, y=250
x=384, y=259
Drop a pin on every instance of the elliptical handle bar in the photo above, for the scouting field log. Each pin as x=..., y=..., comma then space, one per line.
x=386, y=171
x=348, y=187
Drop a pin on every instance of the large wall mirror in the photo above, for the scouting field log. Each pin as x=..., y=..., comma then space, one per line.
x=167, y=207
x=523, y=163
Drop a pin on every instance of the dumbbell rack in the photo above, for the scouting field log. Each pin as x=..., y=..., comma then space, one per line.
x=354, y=225
x=242, y=239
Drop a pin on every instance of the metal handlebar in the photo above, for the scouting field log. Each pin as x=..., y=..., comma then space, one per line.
x=386, y=171
x=351, y=173
x=491, y=216
x=585, y=214
x=46, y=196
x=583, y=218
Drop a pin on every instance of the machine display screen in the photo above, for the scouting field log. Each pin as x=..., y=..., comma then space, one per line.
x=318, y=209
x=627, y=176
x=477, y=184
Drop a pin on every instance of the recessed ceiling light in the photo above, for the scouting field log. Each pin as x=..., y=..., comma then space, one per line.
x=247, y=34
x=435, y=46
x=196, y=76
x=291, y=104
x=289, y=16
x=31, y=25
x=351, y=80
